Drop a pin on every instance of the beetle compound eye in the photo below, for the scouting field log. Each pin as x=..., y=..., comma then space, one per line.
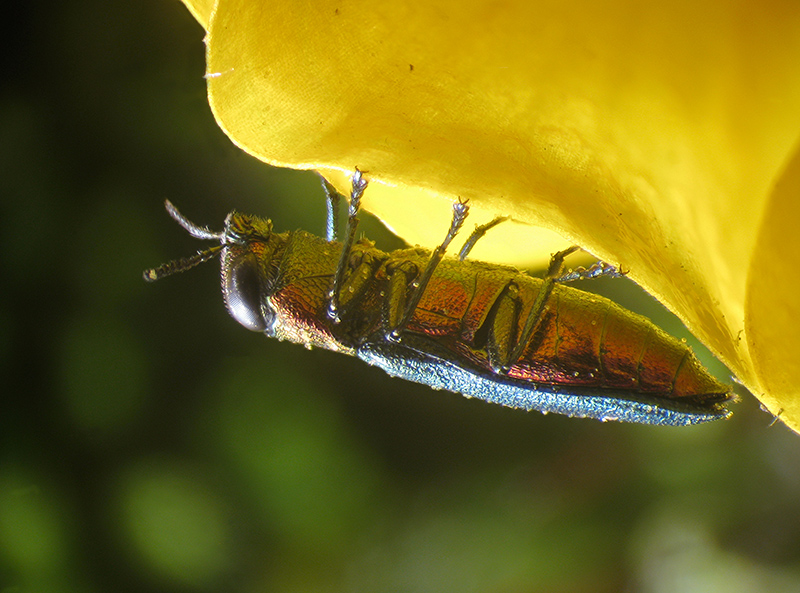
x=242, y=290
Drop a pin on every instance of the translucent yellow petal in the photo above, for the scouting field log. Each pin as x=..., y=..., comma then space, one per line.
x=201, y=10
x=773, y=300
x=651, y=134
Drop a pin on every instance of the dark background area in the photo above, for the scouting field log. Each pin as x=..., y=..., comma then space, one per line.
x=148, y=443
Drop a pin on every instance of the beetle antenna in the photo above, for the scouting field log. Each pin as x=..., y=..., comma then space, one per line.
x=185, y=263
x=196, y=231
x=180, y=265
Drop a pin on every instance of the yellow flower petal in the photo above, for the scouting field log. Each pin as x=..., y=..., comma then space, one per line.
x=201, y=10
x=651, y=134
x=773, y=304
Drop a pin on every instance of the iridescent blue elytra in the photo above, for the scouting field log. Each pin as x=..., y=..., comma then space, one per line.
x=483, y=330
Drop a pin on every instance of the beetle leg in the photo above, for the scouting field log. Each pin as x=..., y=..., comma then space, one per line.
x=477, y=234
x=358, y=187
x=460, y=212
x=551, y=278
x=357, y=281
x=557, y=262
x=400, y=276
x=502, y=328
x=535, y=315
x=332, y=209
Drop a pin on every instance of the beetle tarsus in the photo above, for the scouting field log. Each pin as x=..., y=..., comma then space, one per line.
x=359, y=184
x=595, y=271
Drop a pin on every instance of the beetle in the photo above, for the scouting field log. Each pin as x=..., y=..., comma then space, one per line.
x=483, y=330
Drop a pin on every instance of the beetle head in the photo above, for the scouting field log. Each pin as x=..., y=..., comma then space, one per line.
x=245, y=250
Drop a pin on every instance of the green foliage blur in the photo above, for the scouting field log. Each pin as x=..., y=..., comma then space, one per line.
x=148, y=443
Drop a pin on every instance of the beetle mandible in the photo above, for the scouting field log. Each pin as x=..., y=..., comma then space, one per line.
x=483, y=330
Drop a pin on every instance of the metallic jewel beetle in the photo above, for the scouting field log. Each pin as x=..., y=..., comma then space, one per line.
x=483, y=330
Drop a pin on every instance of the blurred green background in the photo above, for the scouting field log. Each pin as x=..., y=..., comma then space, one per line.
x=148, y=443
